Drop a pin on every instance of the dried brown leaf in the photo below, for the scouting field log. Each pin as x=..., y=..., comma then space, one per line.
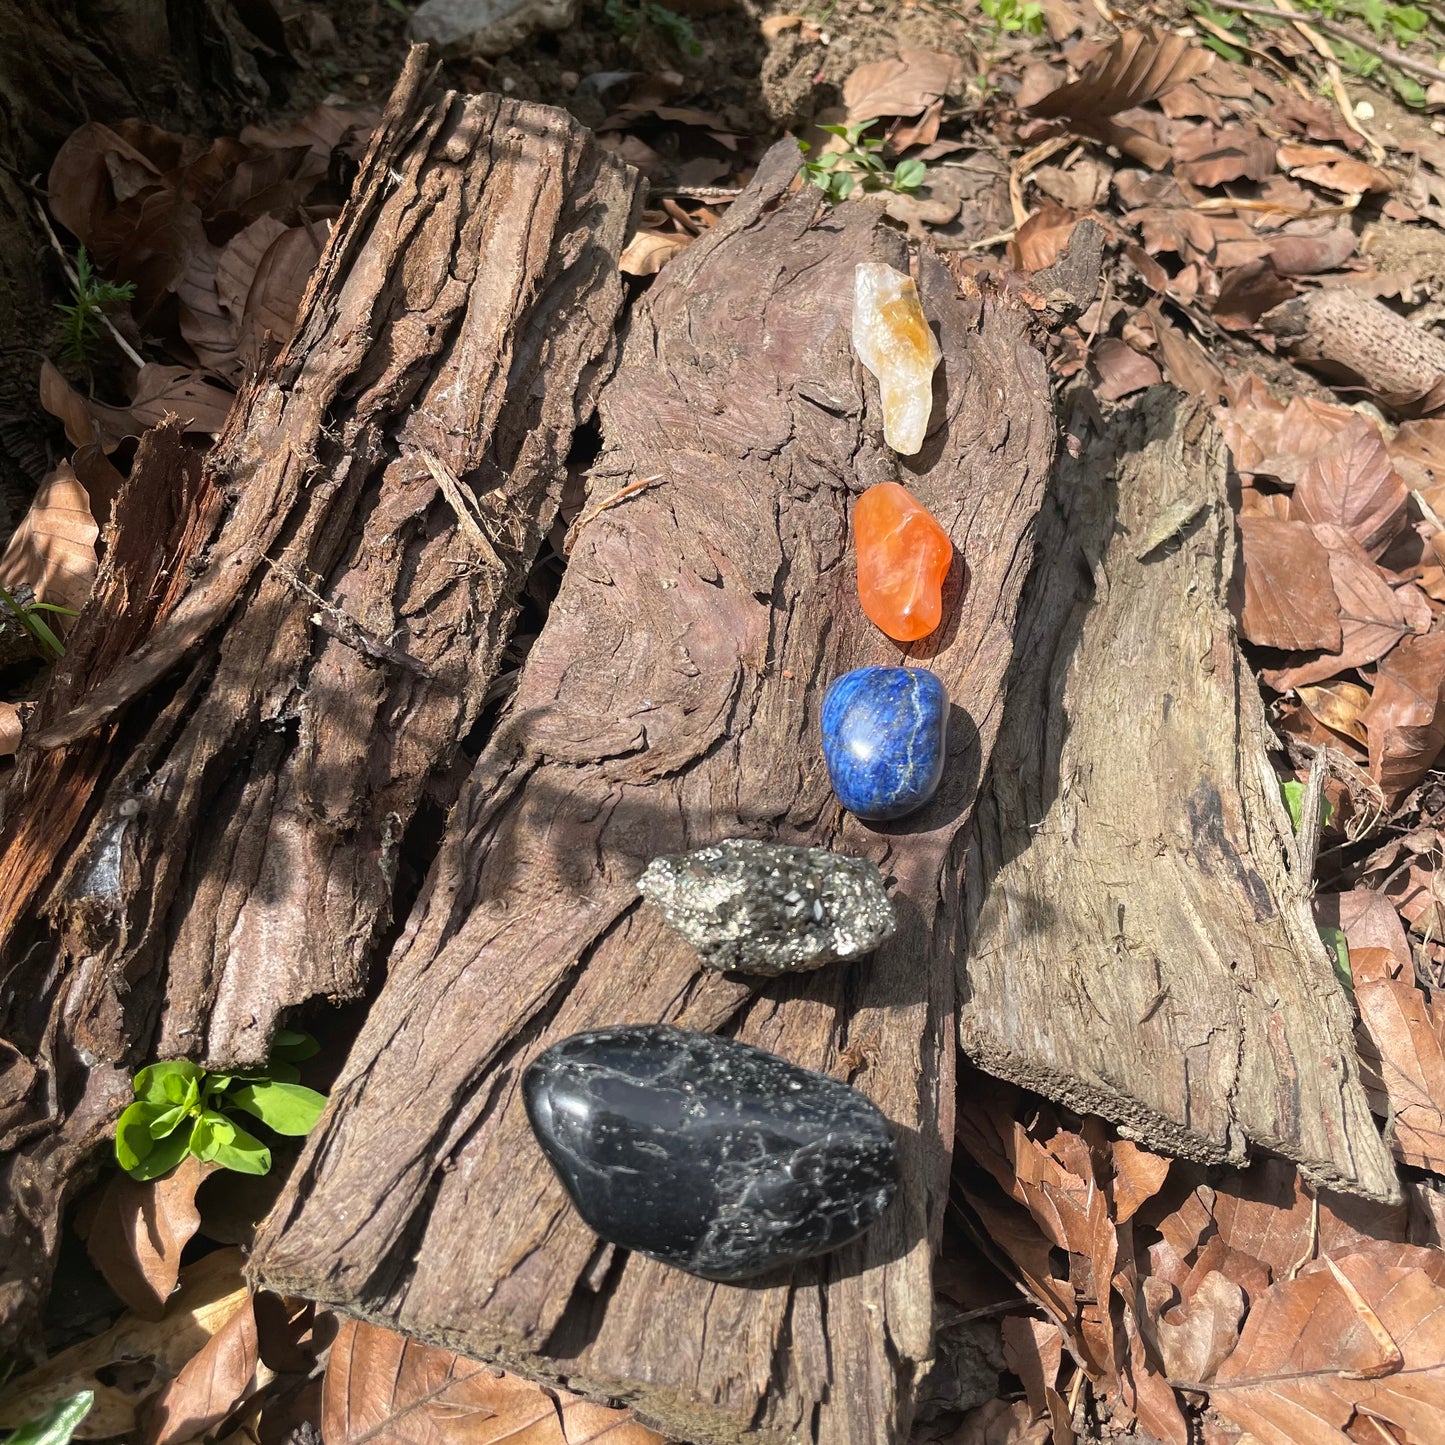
x=1406, y=1035
x=276, y=290
x=135, y=1231
x=1269, y=439
x=211, y=1291
x=905, y=85
x=223, y=1374
x=1333, y=170
x=322, y=129
x=1210, y=155
x=1042, y=239
x=1138, y=1176
x=53, y=549
x=1319, y=1349
x=1195, y=1345
x=383, y=1389
x=1372, y=617
x=1033, y=1350
x=1246, y=292
x=922, y=132
x=649, y=251
x=1138, y=67
x=1307, y=255
x=12, y=728
x=1338, y=706
x=238, y=261
x=1351, y=483
x=159, y=391
x=1405, y=719
x=1001, y=1422
x=1082, y=187
x=1122, y=370
x=1289, y=598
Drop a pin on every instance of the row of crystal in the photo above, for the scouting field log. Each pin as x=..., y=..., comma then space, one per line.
x=710, y=1155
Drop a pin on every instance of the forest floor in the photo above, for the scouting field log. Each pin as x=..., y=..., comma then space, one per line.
x=1272, y=193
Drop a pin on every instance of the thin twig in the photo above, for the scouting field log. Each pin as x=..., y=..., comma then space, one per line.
x=70, y=271
x=621, y=495
x=1387, y=53
x=698, y=193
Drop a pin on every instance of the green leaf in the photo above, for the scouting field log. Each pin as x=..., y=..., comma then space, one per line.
x=286, y=1108
x=841, y=130
x=843, y=186
x=1407, y=88
x=169, y=1083
x=133, y=1139
x=213, y=1131
x=168, y=1120
x=245, y=1153
x=57, y=1424
x=1339, y=951
x=165, y=1154
x=1229, y=52
x=1293, y=793
x=909, y=175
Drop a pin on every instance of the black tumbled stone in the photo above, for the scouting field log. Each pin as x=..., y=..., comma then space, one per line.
x=721, y=1159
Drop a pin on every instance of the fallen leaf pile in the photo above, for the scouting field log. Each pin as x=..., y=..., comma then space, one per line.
x=1185, y=1304
x=197, y=1355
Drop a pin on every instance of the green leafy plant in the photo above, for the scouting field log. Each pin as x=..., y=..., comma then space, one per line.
x=627, y=17
x=182, y=1109
x=1026, y=16
x=27, y=614
x=83, y=311
x=1293, y=793
x=860, y=167
x=57, y=1424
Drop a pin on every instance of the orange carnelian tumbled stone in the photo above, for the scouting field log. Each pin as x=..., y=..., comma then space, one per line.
x=903, y=557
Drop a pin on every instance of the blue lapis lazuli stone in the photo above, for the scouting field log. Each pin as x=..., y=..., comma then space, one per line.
x=885, y=730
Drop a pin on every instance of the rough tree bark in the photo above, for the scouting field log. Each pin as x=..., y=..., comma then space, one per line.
x=1139, y=944
x=672, y=700
x=203, y=828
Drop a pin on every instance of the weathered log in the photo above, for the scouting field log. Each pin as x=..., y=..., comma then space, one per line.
x=1357, y=340
x=672, y=700
x=1139, y=945
x=345, y=580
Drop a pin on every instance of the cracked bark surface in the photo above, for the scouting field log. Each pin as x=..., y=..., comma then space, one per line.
x=1139, y=944
x=205, y=819
x=672, y=700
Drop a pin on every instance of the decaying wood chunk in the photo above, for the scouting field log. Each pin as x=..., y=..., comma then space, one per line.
x=1138, y=946
x=344, y=579
x=1356, y=339
x=672, y=700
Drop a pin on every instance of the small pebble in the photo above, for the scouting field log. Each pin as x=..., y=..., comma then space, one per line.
x=885, y=731
x=766, y=908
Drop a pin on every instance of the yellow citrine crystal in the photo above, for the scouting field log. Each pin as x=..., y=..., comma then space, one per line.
x=894, y=341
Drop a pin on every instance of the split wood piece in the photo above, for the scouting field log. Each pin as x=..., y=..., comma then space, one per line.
x=1138, y=944
x=1356, y=339
x=339, y=604
x=673, y=700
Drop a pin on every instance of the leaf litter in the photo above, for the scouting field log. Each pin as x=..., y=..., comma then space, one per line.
x=1137, y=1295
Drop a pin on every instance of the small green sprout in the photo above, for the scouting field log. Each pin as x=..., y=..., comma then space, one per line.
x=627, y=17
x=57, y=1424
x=860, y=167
x=1013, y=16
x=83, y=311
x=182, y=1109
x=27, y=614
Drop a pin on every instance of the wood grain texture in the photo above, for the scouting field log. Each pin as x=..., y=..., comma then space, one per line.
x=1138, y=944
x=344, y=578
x=672, y=700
